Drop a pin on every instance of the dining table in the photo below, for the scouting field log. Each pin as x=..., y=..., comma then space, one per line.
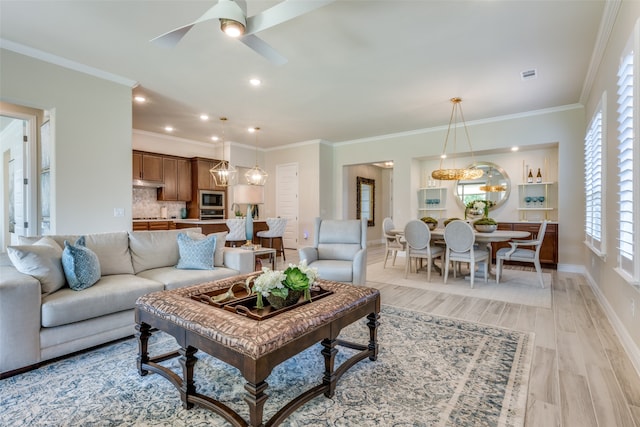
x=481, y=237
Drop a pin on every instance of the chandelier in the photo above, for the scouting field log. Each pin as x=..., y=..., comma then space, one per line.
x=256, y=175
x=222, y=172
x=454, y=173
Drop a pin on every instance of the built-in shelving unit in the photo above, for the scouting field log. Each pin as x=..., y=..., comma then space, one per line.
x=538, y=201
x=432, y=201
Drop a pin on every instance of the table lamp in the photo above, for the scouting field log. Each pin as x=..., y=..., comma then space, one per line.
x=251, y=195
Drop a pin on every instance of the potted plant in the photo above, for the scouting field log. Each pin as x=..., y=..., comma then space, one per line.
x=486, y=225
x=431, y=222
x=447, y=221
x=283, y=288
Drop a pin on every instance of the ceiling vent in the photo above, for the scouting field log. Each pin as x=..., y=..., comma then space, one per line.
x=529, y=74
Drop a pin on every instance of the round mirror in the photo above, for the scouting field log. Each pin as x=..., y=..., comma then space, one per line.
x=493, y=185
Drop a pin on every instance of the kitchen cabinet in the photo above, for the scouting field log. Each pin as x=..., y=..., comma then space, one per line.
x=549, y=248
x=153, y=225
x=147, y=166
x=177, y=180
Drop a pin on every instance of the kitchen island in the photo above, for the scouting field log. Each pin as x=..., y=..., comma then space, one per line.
x=218, y=225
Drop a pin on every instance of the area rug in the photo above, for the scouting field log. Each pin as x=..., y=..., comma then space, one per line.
x=430, y=371
x=516, y=286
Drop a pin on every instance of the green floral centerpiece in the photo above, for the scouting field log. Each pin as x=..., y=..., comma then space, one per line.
x=485, y=225
x=430, y=221
x=282, y=288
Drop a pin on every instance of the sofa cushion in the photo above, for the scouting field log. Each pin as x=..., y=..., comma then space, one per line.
x=81, y=265
x=110, y=294
x=111, y=248
x=154, y=249
x=195, y=254
x=174, y=278
x=41, y=260
x=221, y=240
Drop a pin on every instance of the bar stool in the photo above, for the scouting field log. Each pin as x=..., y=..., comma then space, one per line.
x=237, y=232
x=275, y=232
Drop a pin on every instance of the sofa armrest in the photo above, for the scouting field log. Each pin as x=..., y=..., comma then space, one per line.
x=20, y=302
x=360, y=267
x=239, y=259
x=308, y=254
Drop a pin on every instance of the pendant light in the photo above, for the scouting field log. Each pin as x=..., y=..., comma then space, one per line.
x=222, y=172
x=492, y=188
x=256, y=175
x=454, y=173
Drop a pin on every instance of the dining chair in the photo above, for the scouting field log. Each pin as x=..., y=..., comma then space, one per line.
x=460, y=247
x=418, y=238
x=237, y=232
x=393, y=242
x=517, y=253
x=275, y=232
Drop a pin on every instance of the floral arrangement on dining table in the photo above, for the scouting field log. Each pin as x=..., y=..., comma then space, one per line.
x=478, y=207
x=282, y=288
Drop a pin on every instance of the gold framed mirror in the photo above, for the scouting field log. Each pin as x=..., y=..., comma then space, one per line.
x=365, y=199
x=493, y=185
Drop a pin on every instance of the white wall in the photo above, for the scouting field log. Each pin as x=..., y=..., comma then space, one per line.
x=91, y=151
x=617, y=294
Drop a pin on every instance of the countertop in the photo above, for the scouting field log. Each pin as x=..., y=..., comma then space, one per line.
x=187, y=220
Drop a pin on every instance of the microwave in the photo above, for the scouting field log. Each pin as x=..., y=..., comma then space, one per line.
x=212, y=199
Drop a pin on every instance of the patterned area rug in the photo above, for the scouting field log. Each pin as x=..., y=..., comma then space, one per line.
x=516, y=286
x=430, y=371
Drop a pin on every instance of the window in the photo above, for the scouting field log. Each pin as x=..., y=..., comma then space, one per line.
x=594, y=182
x=628, y=263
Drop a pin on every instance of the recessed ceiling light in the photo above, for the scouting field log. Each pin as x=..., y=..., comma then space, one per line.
x=204, y=117
x=168, y=128
x=215, y=138
x=255, y=82
x=252, y=130
x=139, y=99
x=515, y=148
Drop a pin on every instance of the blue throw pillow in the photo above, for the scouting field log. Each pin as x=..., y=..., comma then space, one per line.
x=81, y=265
x=196, y=254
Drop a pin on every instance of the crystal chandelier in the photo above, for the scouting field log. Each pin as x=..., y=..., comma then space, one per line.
x=222, y=172
x=454, y=174
x=256, y=175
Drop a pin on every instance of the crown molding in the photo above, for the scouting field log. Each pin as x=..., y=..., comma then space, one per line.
x=66, y=63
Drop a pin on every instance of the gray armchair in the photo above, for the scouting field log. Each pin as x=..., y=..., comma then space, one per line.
x=339, y=250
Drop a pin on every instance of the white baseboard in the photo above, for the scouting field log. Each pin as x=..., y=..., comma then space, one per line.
x=633, y=351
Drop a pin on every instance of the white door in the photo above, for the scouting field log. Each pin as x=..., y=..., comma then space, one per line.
x=287, y=201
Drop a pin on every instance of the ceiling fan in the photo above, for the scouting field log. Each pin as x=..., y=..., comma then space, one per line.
x=234, y=22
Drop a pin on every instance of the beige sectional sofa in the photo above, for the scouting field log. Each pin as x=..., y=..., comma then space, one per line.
x=37, y=325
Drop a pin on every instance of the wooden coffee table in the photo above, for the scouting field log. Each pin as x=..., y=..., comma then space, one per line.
x=254, y=346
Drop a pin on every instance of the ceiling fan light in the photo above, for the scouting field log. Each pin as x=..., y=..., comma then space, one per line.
x=232, y=28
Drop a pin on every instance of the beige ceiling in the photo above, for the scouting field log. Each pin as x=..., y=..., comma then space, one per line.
x=356, y=68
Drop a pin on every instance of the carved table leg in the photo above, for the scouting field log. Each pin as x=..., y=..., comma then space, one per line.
x=329, y=352
x=143, y=333
x=188, y=387
x=255, y=398
x=373, y=335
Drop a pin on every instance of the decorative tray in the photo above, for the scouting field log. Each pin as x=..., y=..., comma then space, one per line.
x=244, y=304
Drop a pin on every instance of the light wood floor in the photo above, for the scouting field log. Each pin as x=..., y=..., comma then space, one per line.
x=581, y=375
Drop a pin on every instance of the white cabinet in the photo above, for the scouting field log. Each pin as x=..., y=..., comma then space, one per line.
x=432, y=201
x=538, y=201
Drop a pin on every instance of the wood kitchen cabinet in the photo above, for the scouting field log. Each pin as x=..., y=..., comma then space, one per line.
x=549, y=249
x=147, y=166
x=177, y=180
x=153, y=225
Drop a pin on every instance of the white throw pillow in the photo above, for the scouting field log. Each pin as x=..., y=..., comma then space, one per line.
x=42, y=260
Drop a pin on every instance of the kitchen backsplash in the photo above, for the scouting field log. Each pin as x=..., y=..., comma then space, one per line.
x=146, y=205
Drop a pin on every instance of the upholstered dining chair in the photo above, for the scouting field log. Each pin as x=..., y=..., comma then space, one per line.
x=237, y=232
x=418, y=238
x=460, y=240
x=531, y=253
x=339, y=250
x=394, y=243
x=274, y=233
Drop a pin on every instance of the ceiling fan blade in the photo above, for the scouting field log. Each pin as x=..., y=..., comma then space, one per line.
x=262, y=48
x=223, y=9
x=282, y=12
